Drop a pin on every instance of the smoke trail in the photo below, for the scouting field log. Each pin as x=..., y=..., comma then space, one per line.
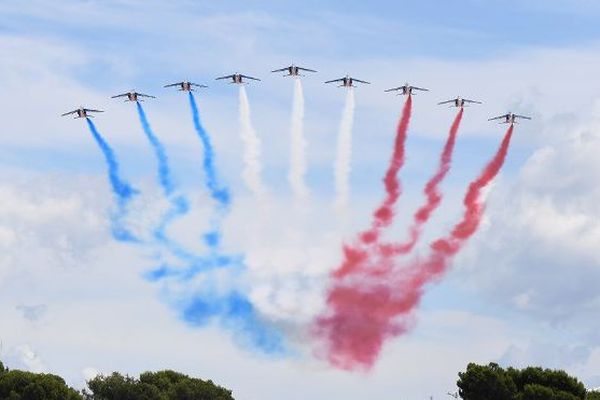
x=218, y=193
x=120, y=188
x=344, y=153
x=236, y=313
x=375, y=302
x=432, y=193
x=178, y=204
x=164, y=173
x=298, y=144
x=252, y=148
x=384, y=215
x=219, y=299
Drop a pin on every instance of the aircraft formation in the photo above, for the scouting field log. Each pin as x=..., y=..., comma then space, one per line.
x=296, y=71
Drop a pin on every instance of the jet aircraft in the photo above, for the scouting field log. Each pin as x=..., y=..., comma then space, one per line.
x=293, y=70
x=185, y=86
x=237, y=78
x=347, y=81
x=132, y=96
x=459, y=102
x=82, y=113
x=509, y=118
x=406, y=89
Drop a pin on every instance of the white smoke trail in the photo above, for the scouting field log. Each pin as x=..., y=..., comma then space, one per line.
x=344, y=152
x=298, y=145
x=252, y=147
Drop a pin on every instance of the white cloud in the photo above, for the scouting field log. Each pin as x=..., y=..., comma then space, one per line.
x=89, y=373
x=539, y=254
x=30, y=359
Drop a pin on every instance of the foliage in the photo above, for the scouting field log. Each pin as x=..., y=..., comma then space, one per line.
x=21, y=385
x=162, y=385
x=593, y=395
x=492, y=382
x=486, y=382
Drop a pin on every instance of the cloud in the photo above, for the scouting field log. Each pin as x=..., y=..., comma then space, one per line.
x=89, y=373
x=30, y=360
x=538, y=255
x=33, y=313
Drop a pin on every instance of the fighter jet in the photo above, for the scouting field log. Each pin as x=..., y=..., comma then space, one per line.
x=406, y=89
x=348, y=81
x=185, y=86
x=237, y=78
x=293, y=70
x=509, y=118
x=132, y=96
x=459, y=102
x=81, y=113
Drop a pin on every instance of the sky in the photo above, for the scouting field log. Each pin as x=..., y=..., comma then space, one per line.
x=77, y=302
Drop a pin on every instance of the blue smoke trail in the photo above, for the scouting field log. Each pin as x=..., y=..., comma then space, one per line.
x=221, y=195
x=218, y=192
x=121, y=189
x=231, y=308
x=237, y=314
x=164, y=173
x=179, y=204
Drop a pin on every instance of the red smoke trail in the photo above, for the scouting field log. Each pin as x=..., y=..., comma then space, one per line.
x=374, y=301
x=432, y=194
x=384, y=214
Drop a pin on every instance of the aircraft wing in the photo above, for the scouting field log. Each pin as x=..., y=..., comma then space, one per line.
x=224, y=77
x=358, y=80
x=91, y=110
x=446, y=102
x=498, y=117
x=280, y=70
x=522, y=116
x=250, y=77
x=335, y=80
x=119, y=95
x=306, y=69
x=173, y=84
x=69, y=113
x=146, y=95
x=419, y=88
x=472, y=101
x=393, y=89
x=197, y=85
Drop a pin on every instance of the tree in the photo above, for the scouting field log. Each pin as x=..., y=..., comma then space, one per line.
x=21, y=385
x=485, y=382
x=561, y=385
x=161, y=385
x=593, y=395
x=491, y=382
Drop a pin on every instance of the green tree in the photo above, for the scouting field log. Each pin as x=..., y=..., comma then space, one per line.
x=21, y=385
x=119, y=387
x=593, y=395
x=485, y=382
x=161, y=385
x=561, y=385
x=491, y=382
